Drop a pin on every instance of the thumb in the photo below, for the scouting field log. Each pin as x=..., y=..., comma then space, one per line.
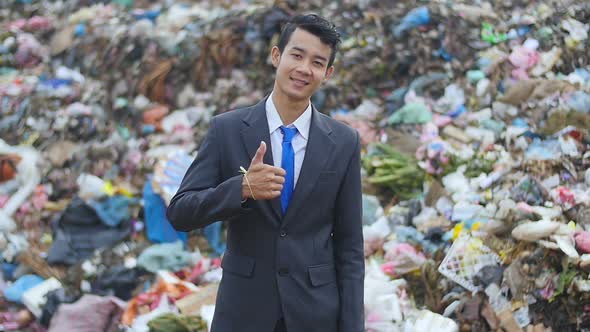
x=259, y=156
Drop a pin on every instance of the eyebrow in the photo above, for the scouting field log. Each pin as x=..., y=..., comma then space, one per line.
x=302, y=50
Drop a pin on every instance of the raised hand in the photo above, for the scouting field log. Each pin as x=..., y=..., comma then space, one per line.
x=266, y=181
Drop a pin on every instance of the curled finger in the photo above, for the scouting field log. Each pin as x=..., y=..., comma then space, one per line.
x=279, y=179
x=279, y=171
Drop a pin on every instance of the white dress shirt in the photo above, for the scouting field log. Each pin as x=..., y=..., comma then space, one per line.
x=299, y=142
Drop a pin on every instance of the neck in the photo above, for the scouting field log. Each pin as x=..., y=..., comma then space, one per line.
x=289, y=110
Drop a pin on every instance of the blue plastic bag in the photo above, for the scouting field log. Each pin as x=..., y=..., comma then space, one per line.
x=158, y=228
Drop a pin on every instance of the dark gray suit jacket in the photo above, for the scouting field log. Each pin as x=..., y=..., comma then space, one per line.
x=307, y=266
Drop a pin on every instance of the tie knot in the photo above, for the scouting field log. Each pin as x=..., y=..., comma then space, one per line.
x=288, y=134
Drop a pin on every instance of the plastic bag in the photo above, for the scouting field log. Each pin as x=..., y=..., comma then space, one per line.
x=413, y=19
x=375, y=234
x=401, y=258
x=383, y=304
x=91, y=186
x=430, y=321
x=28, y=176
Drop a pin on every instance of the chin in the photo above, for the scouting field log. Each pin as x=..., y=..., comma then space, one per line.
x=298, y=95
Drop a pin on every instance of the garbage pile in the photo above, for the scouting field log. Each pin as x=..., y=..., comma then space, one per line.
x=475, y=124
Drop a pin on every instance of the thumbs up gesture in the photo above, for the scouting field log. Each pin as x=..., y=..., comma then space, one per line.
x=265, y=181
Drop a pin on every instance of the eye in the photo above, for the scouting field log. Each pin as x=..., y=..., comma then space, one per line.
x=318, y=63
x=297, y=56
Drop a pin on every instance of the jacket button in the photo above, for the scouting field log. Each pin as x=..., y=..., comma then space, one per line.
x=283, y=233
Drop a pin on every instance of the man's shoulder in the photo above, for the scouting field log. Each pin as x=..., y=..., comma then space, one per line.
x=234, y=114
x=233, y=119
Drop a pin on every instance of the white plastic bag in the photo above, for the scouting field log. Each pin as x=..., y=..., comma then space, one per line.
x=375, y=234
x=90, y=186
x=28, y=176
x=401, y=258
x=430, y=321
x=384, y=308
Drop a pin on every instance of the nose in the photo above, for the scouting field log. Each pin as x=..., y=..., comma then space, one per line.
x=304, y=68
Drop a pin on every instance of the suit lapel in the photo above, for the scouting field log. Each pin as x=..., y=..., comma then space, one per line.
x=256, y=130
x=319, y=148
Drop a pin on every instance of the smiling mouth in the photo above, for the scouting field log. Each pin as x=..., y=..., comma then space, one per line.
x=299, y=82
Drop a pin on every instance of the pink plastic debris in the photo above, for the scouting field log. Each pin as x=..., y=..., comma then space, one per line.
x=37, y=23
x=3, y=200
x=40, y=197
x=547, y=291
x=398, y=249
x=30, y=52
x=523, y=58
x=402, y=258
x=583, y=241
x=441, y=120
x=565, y=197
x=366, y=130
x=388, y=268
x=524, y=207
x=18, y=24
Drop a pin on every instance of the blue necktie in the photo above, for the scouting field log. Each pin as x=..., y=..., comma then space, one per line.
x=288, y=164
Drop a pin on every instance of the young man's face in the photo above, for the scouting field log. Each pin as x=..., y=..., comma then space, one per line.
x=302, y=66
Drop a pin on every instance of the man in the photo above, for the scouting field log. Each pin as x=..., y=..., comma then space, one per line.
x=294, y=259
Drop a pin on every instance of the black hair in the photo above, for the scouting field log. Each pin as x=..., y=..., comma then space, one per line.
x=317, y=26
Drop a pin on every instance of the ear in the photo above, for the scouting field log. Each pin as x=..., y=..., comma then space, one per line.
x=275, y=55
x=329, y=72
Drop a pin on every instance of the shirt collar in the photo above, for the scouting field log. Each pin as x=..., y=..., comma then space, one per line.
x=274, y=119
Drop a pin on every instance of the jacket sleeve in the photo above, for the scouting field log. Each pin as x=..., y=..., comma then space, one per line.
x=348, y=247
x=202, y=197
